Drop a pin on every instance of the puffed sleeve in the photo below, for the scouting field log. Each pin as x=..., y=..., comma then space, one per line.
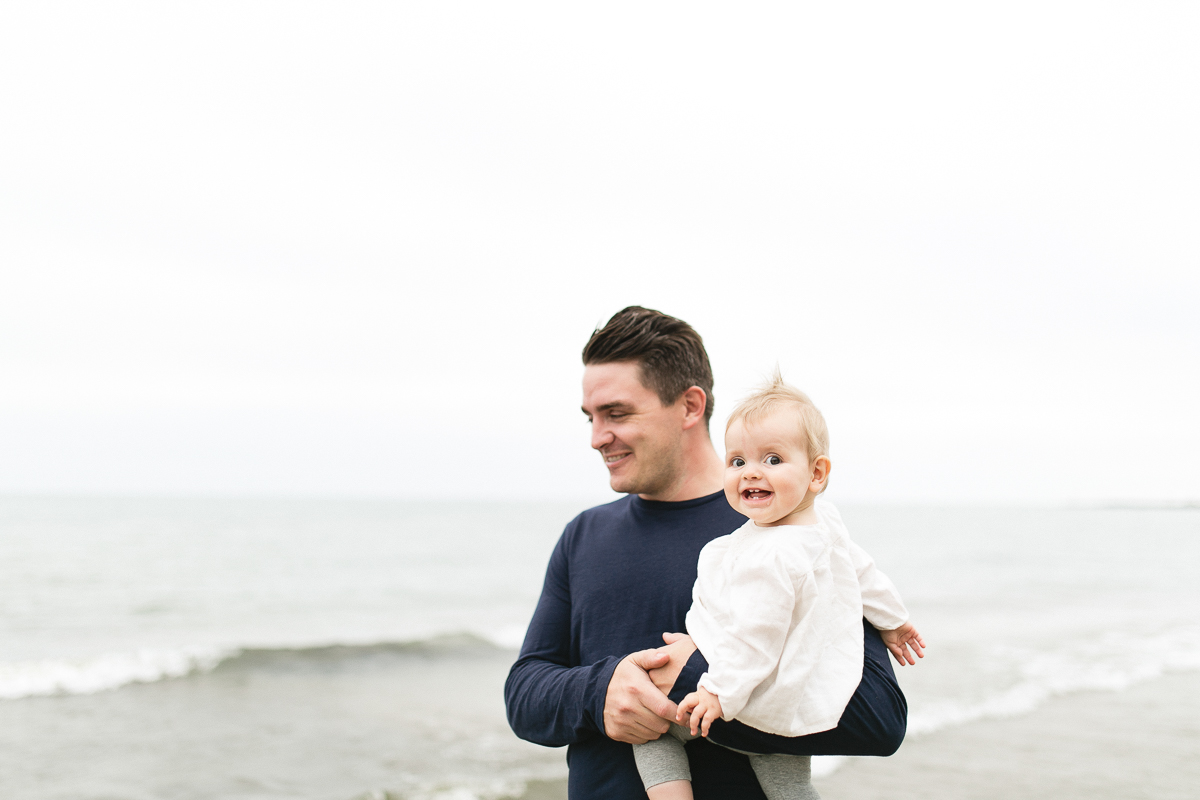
x=760, y=598
x=882, y=604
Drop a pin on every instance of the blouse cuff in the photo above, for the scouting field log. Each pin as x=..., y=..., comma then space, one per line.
x=731, y=702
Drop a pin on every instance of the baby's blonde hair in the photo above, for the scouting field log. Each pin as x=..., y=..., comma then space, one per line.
x=775, y=394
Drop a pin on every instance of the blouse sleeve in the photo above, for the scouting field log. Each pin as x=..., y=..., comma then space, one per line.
x=882, y=604
x=760, y=599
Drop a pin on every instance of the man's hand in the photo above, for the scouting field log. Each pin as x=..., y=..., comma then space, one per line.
x=679, y=649
x=703, y=707
x=899, y=640
x=635, y=710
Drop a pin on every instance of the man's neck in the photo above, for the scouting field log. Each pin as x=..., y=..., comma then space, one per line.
x=702, y=475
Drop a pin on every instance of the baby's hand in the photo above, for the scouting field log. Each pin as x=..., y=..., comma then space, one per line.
x=899, y=640
x=704, y=708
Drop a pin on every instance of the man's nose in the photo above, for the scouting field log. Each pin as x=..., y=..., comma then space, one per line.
x=601, y=436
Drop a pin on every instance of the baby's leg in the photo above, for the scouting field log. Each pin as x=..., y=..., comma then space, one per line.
x=663, y=765
x=785, y=777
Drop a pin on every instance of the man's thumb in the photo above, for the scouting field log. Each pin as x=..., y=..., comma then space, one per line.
x=649, y=659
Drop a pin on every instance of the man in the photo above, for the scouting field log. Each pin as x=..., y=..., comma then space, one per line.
x=622, y=574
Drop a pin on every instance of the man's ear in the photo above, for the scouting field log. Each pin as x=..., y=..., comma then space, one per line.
x=695, y=400
x=820, y=474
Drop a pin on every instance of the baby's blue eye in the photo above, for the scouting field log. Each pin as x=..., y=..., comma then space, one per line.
x=737, y=462
x=774, y=461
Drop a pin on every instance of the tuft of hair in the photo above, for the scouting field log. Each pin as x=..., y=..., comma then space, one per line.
x=774, y=395
x=670, y=354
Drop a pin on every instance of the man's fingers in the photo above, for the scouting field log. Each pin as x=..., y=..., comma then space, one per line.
x=651, y=720
x=639, y=726
x=649, y=659
x=660, y=704
x=638, y=734
x=651, y=728
x=672, y=638
x=654, y=709
x=633, y=704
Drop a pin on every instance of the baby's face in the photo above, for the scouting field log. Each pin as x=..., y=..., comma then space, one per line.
x=767, y=472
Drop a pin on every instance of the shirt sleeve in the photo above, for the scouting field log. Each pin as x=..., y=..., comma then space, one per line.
x=549, y=701
x=882, y=604
x=760, y=598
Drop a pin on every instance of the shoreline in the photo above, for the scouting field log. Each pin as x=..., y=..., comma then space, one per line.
x=1143, y=741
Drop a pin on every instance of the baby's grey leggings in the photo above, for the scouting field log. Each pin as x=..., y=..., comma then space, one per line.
x=781, y=777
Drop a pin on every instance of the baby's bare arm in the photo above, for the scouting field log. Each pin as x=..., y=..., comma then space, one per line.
x=680, y=648
x=900, y=640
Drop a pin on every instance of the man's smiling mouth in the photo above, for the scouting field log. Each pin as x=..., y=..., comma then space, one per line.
x=612, y=459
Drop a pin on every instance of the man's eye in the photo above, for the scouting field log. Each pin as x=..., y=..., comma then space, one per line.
x=774, y=461
x=737, y=462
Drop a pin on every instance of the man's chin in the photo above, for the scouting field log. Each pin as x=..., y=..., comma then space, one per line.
x=626, y=484
x=621, y=485
x=631, y=485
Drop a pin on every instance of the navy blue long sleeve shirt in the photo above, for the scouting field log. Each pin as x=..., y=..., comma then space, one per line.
x=620, y=576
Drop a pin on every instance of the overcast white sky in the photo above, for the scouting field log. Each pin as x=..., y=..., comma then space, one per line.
x=357, y=248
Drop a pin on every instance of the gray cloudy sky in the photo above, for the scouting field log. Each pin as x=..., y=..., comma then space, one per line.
x=356, y=249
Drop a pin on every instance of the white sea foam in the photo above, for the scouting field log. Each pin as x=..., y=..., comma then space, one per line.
x=114, y=670
x=493, y=789
x=1111, y=663
x=510, y=637
x=108, y=671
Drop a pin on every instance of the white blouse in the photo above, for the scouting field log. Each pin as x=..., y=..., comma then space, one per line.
x=777, y=612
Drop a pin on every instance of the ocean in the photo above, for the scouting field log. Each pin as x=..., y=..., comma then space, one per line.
x=352, y=649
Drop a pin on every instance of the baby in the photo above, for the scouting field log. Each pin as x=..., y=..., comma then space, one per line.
x=778, y=604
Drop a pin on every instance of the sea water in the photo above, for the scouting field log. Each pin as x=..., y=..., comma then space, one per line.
x=338, y=649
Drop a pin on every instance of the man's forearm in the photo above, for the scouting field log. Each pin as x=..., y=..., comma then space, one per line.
x=554, y=705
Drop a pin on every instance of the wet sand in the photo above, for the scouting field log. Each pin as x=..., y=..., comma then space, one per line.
x=1143, y=742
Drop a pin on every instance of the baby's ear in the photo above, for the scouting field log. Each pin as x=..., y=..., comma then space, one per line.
x=821, y=467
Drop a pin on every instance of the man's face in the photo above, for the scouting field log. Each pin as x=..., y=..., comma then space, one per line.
x=640, y=439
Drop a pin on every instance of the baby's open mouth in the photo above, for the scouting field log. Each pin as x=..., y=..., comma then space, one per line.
x=756, y=494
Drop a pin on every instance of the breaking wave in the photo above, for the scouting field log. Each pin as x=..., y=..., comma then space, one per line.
x=114, y=670
x=108, y=671
x=1111, y=663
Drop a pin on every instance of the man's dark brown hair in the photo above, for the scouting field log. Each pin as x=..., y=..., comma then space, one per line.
x=670, y=353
